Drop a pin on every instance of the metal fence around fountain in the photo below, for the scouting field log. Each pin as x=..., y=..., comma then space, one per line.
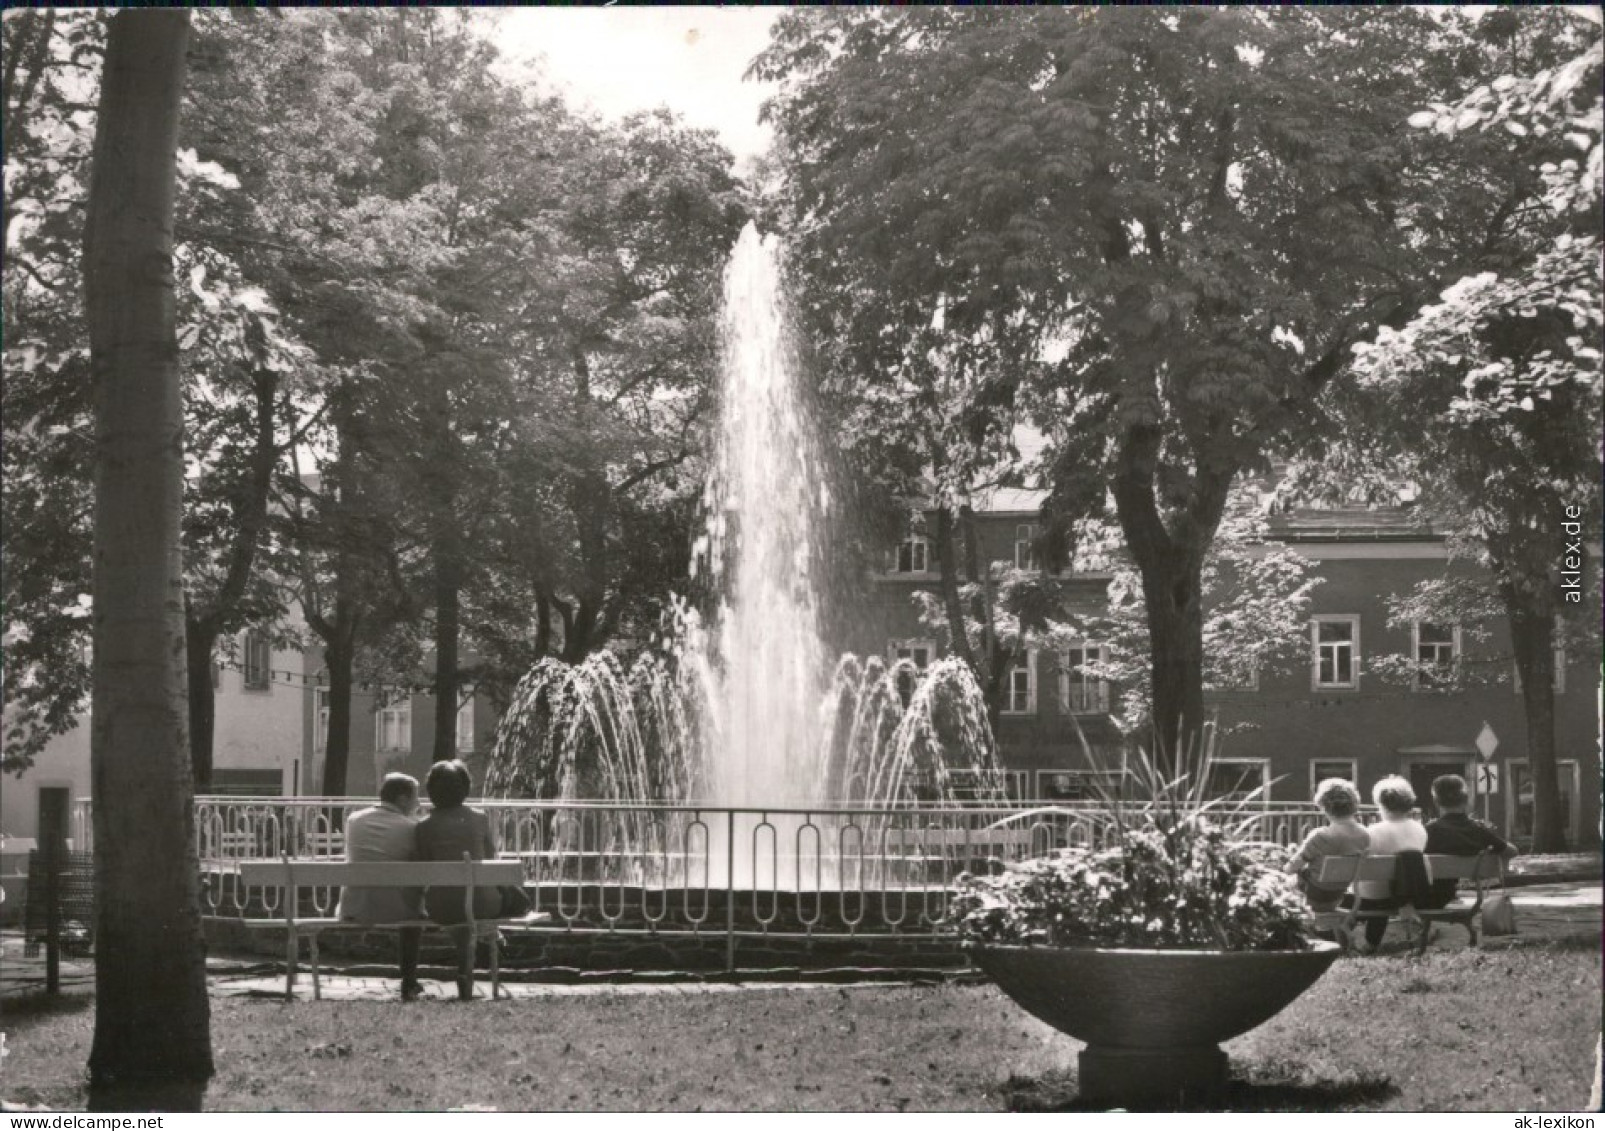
x=701, y=870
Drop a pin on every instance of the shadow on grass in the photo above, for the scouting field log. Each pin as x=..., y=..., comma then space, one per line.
x=40, y=1005
x=1266, y=1086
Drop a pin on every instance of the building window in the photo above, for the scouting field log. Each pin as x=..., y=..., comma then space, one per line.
x=393, y=726
x=255, y=656
x=917, y=652
x=1025, y=542
x=320, y=719
x=1080, y=692
x=1237, y=777
x=914, y=555
x=1323, y=768
x=1437, y=649
x=1020, y=687
x=465, y=726
x=920, y=652
x=1336, y=660
x=1077, y=785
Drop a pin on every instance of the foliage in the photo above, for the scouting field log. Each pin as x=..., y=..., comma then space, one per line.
x=1488, y=400
x=1156, y=231
x=1172, y=875
x=1256, y=594
x=395, y=265
x=46, y=444
x=1182, y=887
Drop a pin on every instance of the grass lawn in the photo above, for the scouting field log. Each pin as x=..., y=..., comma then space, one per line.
x=1496, y=1030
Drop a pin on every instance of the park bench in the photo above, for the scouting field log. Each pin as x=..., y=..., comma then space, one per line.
x=289, y=877
x=1478, y=872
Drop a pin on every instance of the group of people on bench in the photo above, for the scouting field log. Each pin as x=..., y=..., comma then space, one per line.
x=391, y=831
x=1453, y=833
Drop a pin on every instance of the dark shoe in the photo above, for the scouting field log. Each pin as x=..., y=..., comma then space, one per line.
x=411, y=991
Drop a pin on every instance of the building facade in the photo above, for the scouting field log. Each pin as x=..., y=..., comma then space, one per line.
x=1327, y=716
x=257, y=747
x=269, y=740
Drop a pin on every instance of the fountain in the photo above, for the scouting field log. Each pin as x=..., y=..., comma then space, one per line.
x=743, y=709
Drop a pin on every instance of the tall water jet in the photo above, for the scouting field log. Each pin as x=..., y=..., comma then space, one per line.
x=762, y=656
x=745, y=709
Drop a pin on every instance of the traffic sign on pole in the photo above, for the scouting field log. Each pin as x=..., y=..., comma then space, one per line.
x=1487, y=778
x=1487, y=741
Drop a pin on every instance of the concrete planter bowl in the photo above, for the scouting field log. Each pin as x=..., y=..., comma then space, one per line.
x=1152, y=1019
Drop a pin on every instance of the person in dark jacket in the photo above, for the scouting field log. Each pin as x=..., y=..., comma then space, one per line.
x=450, y=830
x=1456, y=833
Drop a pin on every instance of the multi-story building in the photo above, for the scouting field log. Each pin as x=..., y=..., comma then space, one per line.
x=256, y=744
x=1287, y=729
x=269, y=739
x=392, y=731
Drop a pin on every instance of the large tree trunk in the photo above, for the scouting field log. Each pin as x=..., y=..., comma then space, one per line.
x=339, y=655
x=206, y=623
x=1532, y=635
x=448, y=598
x=952, y=602
x=152, y=1042
x=1173, y=590
x=591, y=500
x=200, y=641
x=1170, y=560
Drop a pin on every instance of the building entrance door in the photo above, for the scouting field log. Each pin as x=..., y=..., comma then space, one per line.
x=1421, y=775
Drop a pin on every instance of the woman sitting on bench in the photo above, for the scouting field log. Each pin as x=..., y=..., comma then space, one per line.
x=450, y=830
x=1398, y=831
x=1342, y=836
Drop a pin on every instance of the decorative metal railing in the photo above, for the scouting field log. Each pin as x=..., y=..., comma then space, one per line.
x=702, y=870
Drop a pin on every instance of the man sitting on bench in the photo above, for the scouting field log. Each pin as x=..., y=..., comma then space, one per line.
x=1456, y=833
x=388, y=831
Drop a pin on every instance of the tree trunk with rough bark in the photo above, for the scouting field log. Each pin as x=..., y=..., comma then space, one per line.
x=448, y=601
x=208, y=622
x=339, y=655
x=1532, y=636
x=1169, y=551
x=200, y=642
x=152, y=1041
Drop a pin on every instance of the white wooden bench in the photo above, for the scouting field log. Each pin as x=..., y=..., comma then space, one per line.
x=289, y=876
x=1478, y=871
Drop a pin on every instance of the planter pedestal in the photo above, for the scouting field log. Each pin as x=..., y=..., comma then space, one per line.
x=1116, y=1077
x=1153, y=1020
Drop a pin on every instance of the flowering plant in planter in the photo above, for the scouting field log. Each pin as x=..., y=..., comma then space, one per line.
x=1163, y=886
x=1175, y=873
x=1172, y=935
